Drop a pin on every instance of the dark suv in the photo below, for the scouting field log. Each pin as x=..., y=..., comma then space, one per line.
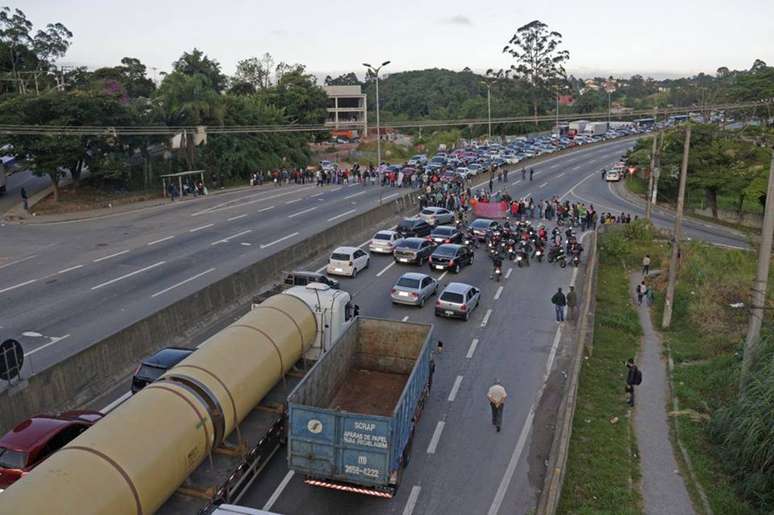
x=451, y=257
x=411, y=227
x=304, y=278
x=154, y=367
x=413, y=250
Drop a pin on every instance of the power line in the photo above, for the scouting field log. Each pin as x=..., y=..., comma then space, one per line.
x=171, y=130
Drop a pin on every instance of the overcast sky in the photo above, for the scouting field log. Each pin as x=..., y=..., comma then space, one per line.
x=654, y=38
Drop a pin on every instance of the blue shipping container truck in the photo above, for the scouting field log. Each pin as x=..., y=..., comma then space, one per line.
x=352, y=417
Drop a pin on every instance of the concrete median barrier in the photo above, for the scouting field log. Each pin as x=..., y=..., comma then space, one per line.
x=84, y=376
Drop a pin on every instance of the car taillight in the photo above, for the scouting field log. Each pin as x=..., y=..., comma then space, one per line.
x=438, y=303
x=447, y=240
x=451, y=262
x=464, y=307
x=413, y=294
x=393, y=290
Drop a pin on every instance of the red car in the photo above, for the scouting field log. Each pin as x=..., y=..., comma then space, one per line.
x=29, y=443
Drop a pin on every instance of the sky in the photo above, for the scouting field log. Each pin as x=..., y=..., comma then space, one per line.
x=659, y=38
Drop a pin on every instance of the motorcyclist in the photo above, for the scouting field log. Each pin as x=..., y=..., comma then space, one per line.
x=497, y=263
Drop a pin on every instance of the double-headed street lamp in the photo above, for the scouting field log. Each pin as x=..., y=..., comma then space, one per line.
x=375, y=73
x=488, y=85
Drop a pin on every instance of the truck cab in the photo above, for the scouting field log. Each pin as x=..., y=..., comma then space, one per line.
x=333, y=309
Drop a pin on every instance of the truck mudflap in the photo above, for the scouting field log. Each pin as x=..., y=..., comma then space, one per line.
x=383, y=492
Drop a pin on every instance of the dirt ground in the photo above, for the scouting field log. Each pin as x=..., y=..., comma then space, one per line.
x=86, y=198
x=369, y=392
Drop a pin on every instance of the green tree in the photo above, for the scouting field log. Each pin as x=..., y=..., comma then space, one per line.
x=255, y=71
x=538, y=59
x=197, y=63
x=51, y=154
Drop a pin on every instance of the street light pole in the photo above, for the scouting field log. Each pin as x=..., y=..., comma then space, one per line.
x=609, y=93
x=375, y=72
x=489, y=107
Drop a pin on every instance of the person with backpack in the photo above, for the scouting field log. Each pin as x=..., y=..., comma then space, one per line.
x=633, y=379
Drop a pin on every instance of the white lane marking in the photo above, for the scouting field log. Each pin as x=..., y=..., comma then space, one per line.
x=554, y=165
x=342, y=214
x=472, y=348
x=552, y=353
x=237, y=235
x=486, y=318
x=381, y=273
x=197, y=229
x=571, y=191
x=575, y=167
x=499, y=292
x=411, y=503
x=165, y=290
x=522, y=441
x=390, y=196
x=245, y=244
x=32, y=334
x=561, y=174
x=405, y=318
x=302, y=212
x=455, y=389
x=440, y=277
x=18, y=261
x=355, y=195
x=293, y=201
x=274, y=496
x=317, y=194
x=111, y=256
x=130, y=274
x=76, y=267
x=265, y=209
x=436, y=437
x=235, y=218
x=543, y=185
x=508, y=273
x=279, y=240
x=113, y=405
x=17, y=286
x=336, y=189
x=237, y=203
x=150, y=243
x=54, y=340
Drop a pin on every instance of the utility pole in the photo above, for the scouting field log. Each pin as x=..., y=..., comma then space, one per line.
x=649, y=199
x=677, y=234
x=760, y=285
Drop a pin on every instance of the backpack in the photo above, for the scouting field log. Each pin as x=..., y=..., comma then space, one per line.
x=637, y=377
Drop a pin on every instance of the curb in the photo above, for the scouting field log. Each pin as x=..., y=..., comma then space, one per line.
x=550, y=495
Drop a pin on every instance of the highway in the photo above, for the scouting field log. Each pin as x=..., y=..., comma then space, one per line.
x=512, y=337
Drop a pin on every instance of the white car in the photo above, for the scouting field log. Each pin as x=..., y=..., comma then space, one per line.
x=384, y=242
x=437, y=215
x=612, y=176
x=348, y=261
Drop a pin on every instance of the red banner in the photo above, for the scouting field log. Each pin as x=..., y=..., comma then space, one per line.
x=492, y=210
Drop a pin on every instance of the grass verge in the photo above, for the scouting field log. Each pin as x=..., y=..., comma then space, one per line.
x=705, y=344
x=602, y=467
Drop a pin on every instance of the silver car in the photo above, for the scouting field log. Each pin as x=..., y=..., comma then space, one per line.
x=384, y=242
x=457, y=301
x=437, y=216
x=413, y=289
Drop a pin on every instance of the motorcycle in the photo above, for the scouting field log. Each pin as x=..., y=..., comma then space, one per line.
x=498, y=272
x=522, y=257
x=562, y=260
x=539, y=255
x=575, y=260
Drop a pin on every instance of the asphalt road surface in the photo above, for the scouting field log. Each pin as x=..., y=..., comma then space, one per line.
x=27, y=180
x=459, y=464
x=64, y=286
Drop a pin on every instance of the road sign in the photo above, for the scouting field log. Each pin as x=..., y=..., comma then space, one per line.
x=11, y=359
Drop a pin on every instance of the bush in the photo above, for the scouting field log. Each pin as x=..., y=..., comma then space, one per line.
x=639, y=230
x=744, y=432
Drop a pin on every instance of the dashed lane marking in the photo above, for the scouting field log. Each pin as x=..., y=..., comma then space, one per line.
x=486, y=318
x=436, y=437
x=472, y=348
x=156, y=242
x=111, y=256
x=279, y=240
x=499, y=292
x=130, y=274
x=181, y=283
x=455, y=389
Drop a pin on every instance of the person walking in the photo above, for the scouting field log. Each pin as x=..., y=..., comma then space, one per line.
x=491, y=185
x=646, y=265
x=531, y=173
x=633, y=379
x=559, y=301
x=25, y=199
x=641, y=292
x=497, y=396
x=430, y=376
x=572, y=303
